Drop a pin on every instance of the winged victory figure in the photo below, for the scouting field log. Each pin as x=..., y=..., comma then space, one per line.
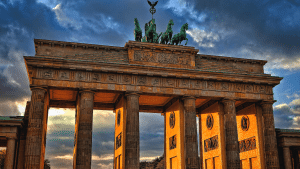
x=152, y=5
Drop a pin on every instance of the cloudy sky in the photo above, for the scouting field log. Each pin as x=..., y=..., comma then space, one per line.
x=253, y=29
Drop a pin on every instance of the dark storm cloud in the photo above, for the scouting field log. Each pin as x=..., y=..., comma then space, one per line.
x=20, y=22
x=258, y=27
x=287, y=116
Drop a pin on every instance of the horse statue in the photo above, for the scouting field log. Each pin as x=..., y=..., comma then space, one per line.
x=137, y=31
x=181, y=36
x=150, y=32
x=167, y=36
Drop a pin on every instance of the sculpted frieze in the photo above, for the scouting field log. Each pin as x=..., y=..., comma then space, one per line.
x=167, y=82
x=162, y=57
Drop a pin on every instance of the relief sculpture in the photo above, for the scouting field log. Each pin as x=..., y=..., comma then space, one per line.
x=247, y=144
x=172, y=142
x=211, y=143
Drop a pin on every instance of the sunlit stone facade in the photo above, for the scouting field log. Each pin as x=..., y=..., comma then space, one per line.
x=232, y=98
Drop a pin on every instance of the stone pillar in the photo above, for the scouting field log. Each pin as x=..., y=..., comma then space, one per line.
x=190, y=133
x=200, y=143
x=10, y=153
x=231, y=135
x=82, y=156
x=287, y=158
x=271, y=153
x=165, y=146
x=35, y=139
x=132, y=142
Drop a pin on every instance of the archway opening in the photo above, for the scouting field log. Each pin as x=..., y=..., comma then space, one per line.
x=151, y=138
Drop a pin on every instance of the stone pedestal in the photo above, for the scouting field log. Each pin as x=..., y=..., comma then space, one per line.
x=190, y=130
x=35, y=139
x=231, y=135
x=132, y=142
x=270, y=140
x=10, y=153
x=82, y=156
x=287, y=158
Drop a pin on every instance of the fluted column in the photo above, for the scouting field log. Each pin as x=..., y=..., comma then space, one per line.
x=287, y=158
x=190, y=130
x=132, y=142
x=10, y=153
x=231, y=135
x=35, y=139
x=271, y=153
x=83, y=130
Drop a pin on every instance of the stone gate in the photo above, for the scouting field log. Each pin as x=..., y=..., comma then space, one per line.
x=232, y=98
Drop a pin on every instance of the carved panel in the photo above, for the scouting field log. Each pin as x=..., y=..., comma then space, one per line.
x=159, y=57
x=184, y=83
x=47, y=73
x=64, y=75
x=172, y=142
x=80, y=76
x=112, y=78
x=211, y=85
x=96, y=77
x=141, y=80
x=172, y=120
x=249, y=88
x=168, y=82
x=155, y=81
x=197, y=84
x=224, y=86
x=247, y=144
x=245, y=123
x=119, y=141
x=209, y=121
x=118, y=117
x=211, y=143
x=126, y=79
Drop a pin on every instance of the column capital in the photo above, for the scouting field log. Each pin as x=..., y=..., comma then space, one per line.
x=86, y=91
x=225, y=100
x=11, y=138
x=38, y=88
x=132, y=93
x=267, y=102
x=188, y=97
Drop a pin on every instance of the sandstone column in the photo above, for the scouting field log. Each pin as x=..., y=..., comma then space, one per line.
x=287, y=158
x=190, y=131
x=132, y=143
x=82, y=156
x=231, y=135
x=35, y=139
x=10, y=153
x=200, y=143
x=271, y=153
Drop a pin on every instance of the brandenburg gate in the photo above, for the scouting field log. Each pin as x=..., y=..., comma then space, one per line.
x=231, y=97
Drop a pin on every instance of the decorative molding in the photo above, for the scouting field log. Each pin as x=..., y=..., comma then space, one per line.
x=172, y=142
x=152, y=81
x=119, y=141
x=247, y=144
x=211, y=143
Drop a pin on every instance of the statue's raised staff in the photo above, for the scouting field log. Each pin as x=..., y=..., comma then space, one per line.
x=181, y=36
x=167, y=36
x=137, y=31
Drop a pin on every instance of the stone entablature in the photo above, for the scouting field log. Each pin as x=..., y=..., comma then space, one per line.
x=164, y=83
x=153, y=55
